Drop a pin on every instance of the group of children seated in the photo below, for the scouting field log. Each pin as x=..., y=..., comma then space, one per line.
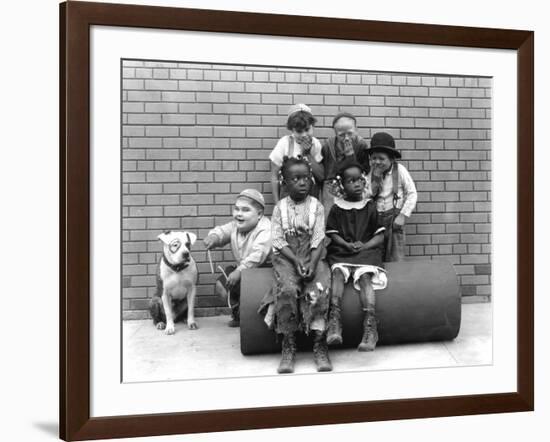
x=340, y=211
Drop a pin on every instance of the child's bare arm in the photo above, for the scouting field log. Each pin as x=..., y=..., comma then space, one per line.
x=339, y=241
x=315, y=256
x=289, y=254
x=317, y=168
x=275, y=182
x=219, y=236
x=375, y=241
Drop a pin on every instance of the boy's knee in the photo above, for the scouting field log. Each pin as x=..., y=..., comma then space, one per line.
x=319, y=324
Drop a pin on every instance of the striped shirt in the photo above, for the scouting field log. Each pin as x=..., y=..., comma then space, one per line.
x=304, y=216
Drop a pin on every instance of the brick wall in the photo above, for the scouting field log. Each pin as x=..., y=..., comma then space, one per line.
x=195, y=135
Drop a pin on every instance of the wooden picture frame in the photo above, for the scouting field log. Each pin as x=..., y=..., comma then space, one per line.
x=75, y=21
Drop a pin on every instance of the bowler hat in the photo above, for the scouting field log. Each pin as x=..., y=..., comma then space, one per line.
x=383, y=142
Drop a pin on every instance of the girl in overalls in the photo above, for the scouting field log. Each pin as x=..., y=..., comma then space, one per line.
x=301, y=291
x=390, y=185
x=300, y=142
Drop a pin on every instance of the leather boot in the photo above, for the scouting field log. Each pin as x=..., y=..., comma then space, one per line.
x=288, y=354
x=320, y=351
x=334, y=333
x=370, y=332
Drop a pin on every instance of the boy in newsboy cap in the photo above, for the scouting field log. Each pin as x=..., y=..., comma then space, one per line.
x=391, y=187
x=249, y=234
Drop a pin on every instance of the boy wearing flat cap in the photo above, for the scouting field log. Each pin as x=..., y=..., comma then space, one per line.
x=347, y=145
x=390, y=185
x=250, y=237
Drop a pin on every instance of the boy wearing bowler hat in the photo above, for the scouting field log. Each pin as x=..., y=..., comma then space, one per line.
x=390, y=185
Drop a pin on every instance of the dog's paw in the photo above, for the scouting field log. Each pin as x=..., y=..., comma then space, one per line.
x=161, y=326
x=193, y=326
x=170, y=329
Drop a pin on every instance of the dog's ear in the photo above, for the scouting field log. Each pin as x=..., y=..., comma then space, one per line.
x=165, y=237
x=191, y=237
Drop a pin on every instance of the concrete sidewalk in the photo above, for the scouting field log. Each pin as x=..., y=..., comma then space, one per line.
x=213, y=351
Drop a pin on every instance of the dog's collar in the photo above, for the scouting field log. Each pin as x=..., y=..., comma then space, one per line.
x=175, y=267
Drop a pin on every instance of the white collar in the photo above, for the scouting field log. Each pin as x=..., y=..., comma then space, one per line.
x=347, y=205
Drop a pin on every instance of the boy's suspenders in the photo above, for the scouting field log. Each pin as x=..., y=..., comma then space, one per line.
x=290, y=146
x=312, y=211
x=284, y=215
x=285, y=218
x=395, y=188
x=395, y=182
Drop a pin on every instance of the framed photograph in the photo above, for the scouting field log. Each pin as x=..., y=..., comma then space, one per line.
x=175, y=124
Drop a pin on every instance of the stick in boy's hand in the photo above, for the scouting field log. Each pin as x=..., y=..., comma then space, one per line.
x=210, y=261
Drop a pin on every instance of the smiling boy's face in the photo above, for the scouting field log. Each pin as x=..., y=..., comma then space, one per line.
x=298, y=181
x=380, y=162
x=245, y=215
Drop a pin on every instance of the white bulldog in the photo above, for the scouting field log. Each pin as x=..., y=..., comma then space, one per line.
x=176, y=282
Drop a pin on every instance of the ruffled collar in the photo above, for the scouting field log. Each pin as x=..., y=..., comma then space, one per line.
x=348, y=205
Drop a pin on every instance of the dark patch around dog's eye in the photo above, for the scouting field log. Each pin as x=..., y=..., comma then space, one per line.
x=175, y=245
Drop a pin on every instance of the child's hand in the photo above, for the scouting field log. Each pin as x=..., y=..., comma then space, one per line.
x=309, y=273
x=348, y=147
x=350, y=247
x=357, y=246
x=233, y=279
x=399, y=220
x=300, y=267
x=209, y=241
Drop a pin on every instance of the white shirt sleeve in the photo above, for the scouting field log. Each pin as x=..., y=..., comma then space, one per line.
x=223, y=233
x=259, y=252
x=409, y=191
x=279, y=151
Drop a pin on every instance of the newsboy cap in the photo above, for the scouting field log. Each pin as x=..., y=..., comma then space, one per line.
x=254, y=195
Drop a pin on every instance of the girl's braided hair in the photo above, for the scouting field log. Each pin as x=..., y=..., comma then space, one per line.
x=288, y=162
x=337, y=185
